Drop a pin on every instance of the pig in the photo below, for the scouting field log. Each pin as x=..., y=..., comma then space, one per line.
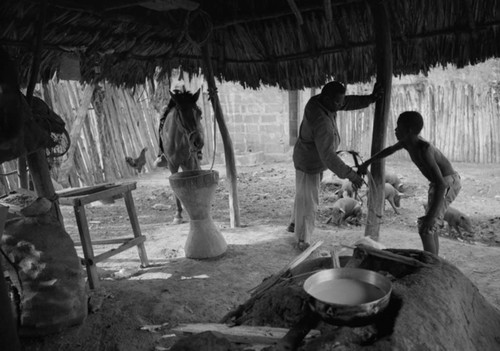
x=346, y=190
x=393, y=196
x=394, y=180
x=457, y=220
x=345, y=208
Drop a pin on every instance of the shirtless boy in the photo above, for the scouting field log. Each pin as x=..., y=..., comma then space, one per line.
x=444, y=180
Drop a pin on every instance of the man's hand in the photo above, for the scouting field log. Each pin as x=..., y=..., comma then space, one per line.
x=378, y=91
x=362, y=169
x=356, y=180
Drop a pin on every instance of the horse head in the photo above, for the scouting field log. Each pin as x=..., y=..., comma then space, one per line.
x=189, y=119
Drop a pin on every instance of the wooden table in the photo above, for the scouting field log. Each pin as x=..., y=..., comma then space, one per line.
x=80, y=197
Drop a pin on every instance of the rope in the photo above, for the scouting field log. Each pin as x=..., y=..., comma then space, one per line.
x=206, y=25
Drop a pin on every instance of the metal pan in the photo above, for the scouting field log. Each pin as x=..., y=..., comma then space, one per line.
x=348, y=296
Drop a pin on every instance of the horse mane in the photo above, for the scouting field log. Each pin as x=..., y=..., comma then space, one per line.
x=182, y=96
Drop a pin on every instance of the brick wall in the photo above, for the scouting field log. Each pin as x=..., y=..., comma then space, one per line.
x=257, y=120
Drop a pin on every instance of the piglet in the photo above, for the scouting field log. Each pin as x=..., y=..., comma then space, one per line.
x=346, y=190
x=394, y=180
x=345, y=208
x=457, y=220
x=393, y=196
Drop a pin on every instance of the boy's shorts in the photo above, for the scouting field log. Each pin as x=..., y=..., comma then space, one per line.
x=454, y=185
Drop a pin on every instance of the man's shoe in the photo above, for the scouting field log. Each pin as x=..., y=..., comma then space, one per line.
x=291, y=228
x=301, y=245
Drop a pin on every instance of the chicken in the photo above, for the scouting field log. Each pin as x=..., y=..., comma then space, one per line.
x=138, y=162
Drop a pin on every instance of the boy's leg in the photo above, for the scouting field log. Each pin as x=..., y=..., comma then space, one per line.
x=306, y=204
x=454, y=186
x=429, y=238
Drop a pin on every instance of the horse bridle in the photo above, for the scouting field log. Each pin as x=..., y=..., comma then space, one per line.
x=181, y=124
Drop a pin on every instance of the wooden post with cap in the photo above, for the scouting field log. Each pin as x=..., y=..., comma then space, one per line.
x=383, y=54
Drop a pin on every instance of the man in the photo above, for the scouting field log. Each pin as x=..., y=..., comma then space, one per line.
x=315, y=151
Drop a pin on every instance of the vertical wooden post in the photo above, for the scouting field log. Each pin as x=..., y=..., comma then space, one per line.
x=234, y=208
x=383, y=52
x=23, y=172
x=37, y=161
x=293, y=116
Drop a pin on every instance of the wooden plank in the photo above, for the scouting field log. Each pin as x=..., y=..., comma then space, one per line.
x=106, y=242
x=265, y=285
x=104, y=194
x=239, y=334
x=392, y=256
x=136, y=229
x=133, y=242
x=88, y=251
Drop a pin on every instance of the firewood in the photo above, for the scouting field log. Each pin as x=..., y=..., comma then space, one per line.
x=240, y=334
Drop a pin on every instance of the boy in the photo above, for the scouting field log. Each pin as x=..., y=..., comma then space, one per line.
x=444, y=180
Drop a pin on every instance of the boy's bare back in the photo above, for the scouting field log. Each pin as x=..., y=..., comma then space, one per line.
x=429, y=159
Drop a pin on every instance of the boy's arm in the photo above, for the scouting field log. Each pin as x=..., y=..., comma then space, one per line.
x=363, y=168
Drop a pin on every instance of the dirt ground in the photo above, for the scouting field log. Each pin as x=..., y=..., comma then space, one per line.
x=159, y=296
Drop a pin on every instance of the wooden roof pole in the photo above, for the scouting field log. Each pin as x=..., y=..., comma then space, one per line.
x=37, y=161
x=234, y=207
x=383, y=54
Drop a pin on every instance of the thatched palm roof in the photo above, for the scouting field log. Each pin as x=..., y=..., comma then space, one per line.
x=289, y=43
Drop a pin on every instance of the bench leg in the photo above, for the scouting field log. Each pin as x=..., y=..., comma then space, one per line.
x=132, y=215
x=88, y=251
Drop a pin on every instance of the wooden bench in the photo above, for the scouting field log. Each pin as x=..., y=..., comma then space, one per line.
x=80, y=197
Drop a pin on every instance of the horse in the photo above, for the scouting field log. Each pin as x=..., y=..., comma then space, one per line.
x=182, y=137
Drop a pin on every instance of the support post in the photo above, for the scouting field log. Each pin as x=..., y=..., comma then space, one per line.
x=383, y=54
x=293, y=116
x=23, y=172
x=234, y=208
x=37, y=161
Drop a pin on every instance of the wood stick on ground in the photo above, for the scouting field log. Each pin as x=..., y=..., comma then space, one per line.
x=268, y=283
x=240, y=334
x=392, y=256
